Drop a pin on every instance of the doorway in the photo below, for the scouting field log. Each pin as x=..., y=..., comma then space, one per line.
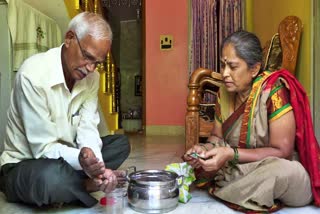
x=125, y=19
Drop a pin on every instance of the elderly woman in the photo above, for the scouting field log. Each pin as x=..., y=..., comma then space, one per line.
x=251, y=159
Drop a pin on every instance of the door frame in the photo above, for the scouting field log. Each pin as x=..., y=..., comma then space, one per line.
x=316, y=68
x=143, y=64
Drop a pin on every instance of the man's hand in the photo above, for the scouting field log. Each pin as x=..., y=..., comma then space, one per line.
x=90, y=164
x=121, y=177
x=107, y=182
x=102, y=179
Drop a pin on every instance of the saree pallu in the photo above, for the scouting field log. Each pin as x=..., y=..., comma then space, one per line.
x=306, y=142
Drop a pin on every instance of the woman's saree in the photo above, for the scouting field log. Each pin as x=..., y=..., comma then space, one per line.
x=249, y=120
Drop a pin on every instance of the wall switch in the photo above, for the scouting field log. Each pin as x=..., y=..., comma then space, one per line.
x=166, y=42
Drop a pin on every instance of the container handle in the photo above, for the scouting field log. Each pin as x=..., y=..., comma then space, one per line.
x=134, y=169
x=178, y=183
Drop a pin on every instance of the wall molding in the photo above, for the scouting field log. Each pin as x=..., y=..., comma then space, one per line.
x=165, y=130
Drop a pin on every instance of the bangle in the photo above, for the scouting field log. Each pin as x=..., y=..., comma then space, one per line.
x=217, y=143
x=214, y=144
x=203, y=146
x=235, y=159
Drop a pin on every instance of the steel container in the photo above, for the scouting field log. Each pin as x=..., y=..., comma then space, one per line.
x=153, y=191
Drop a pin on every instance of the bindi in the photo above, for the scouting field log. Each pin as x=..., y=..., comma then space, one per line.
x=225, y=60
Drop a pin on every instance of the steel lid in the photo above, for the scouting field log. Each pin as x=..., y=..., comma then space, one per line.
x=153, y=177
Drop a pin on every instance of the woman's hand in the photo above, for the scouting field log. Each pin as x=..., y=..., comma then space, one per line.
x=194, y=162
x=217, y=158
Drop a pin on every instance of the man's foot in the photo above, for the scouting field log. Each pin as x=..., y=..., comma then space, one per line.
x=57, y=205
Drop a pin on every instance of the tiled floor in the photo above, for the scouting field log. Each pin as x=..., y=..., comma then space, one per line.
x=153, y=152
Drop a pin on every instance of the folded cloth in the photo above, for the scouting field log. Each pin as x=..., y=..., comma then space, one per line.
x=187, y=172
x=31, y=31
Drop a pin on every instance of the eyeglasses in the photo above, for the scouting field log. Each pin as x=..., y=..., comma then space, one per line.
x=87, y=56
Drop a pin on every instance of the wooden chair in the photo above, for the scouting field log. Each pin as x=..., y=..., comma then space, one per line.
x=287, y=38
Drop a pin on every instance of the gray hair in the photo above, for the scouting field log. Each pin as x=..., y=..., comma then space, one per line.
x=247, y=46
x=92, y=24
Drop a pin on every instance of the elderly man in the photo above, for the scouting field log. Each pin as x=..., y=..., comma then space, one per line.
x=53, y=152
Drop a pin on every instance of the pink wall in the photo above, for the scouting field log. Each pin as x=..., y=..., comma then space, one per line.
x=166, y=71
